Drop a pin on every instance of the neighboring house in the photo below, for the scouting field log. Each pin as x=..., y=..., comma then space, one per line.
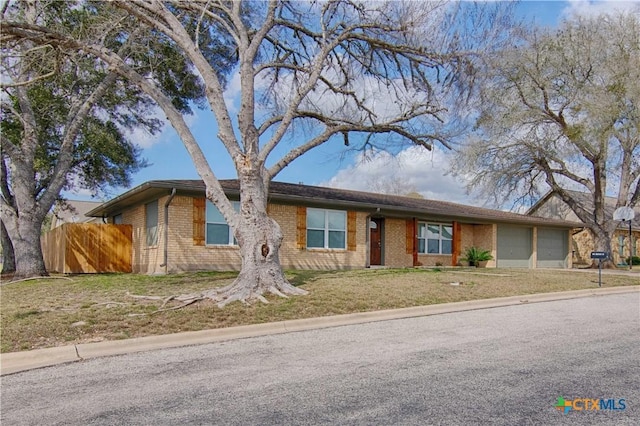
x=176, y=229
x=552, y=207
x=73, y=211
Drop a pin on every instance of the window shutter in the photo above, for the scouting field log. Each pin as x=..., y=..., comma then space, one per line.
x=301, y=234
x=411, y=235
x=351, y=231
x=456, y=243
x=199, y=219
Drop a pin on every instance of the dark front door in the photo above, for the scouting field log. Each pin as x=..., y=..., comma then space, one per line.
x=375, y=239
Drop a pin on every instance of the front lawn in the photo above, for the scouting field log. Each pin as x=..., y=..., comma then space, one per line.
x=91, y=308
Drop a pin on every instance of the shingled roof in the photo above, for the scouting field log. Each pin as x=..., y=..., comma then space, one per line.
x=584, y=199
x=287, y=193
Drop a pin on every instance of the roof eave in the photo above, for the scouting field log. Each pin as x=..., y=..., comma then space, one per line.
x=151, y=189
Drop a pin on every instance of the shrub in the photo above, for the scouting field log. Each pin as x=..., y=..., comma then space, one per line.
x=634, y=259
x=474, y=255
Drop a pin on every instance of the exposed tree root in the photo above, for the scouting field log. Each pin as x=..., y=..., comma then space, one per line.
x=109, y=304
x=138, y=296
x=174, y=308
x=43, y=277
x=236, y=291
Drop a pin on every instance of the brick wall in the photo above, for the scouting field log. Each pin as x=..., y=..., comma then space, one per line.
x=145, y=259
x=395, y=244
x=434, y=259
x=184, y=255
x=293, y=257
x=466, y=241
x=485, y=237
x=619, y=256
x=395, y=250
x=582, y=246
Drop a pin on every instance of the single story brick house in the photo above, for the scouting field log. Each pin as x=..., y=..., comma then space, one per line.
x=176, y=229
x=550, y=206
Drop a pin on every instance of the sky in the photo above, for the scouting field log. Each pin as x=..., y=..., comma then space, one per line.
x=411, y=170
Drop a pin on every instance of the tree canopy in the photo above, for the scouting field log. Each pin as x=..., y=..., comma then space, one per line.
x=559, y=112
x=67, y=118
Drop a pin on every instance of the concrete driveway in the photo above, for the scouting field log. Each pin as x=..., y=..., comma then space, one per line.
x=504, y=365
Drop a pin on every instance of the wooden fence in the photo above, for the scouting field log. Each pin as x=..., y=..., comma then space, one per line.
x=83, y=248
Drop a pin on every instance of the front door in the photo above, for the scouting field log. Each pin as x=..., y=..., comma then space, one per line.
x=375, y=241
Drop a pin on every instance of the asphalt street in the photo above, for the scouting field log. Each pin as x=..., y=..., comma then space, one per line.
x=503, y=365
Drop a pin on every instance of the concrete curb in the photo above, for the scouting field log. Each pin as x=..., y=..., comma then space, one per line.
x=15, y=362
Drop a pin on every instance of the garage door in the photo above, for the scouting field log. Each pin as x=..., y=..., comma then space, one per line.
x=552, y=248
x=514, y=246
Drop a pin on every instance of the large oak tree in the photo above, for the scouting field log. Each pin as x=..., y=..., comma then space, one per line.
x=560, y=112
x=333, y=70
x=67, y=117
x=56, y=132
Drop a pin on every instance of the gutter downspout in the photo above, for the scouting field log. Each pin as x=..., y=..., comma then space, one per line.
x=166, y=231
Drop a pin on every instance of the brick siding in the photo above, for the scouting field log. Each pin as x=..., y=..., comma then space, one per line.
x=395, y=244
x=185, y=255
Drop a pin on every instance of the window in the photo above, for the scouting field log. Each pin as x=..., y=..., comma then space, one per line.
x=621, y=245
x=117, y=219
x=434, y=238
x=217, y=232
x=151, y=223
x=326, y=229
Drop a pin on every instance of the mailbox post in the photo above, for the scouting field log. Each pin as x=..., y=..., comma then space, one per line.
x=599, y=255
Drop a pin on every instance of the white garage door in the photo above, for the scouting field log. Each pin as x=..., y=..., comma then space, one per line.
x=553, y=248
x=515, y=246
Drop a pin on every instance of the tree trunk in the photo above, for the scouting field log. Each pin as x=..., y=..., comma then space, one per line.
x=8, y=255
x=259, y=238
x=25, y=237
x=602, y=242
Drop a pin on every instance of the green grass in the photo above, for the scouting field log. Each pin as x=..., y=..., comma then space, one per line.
x=90, y=308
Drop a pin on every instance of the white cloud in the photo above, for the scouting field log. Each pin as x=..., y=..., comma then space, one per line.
x=386, y=100
x=232, y=94
x=413, y=169
x=351, y=86
x=595, y=8
x=143, y=139
x=419, y=170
